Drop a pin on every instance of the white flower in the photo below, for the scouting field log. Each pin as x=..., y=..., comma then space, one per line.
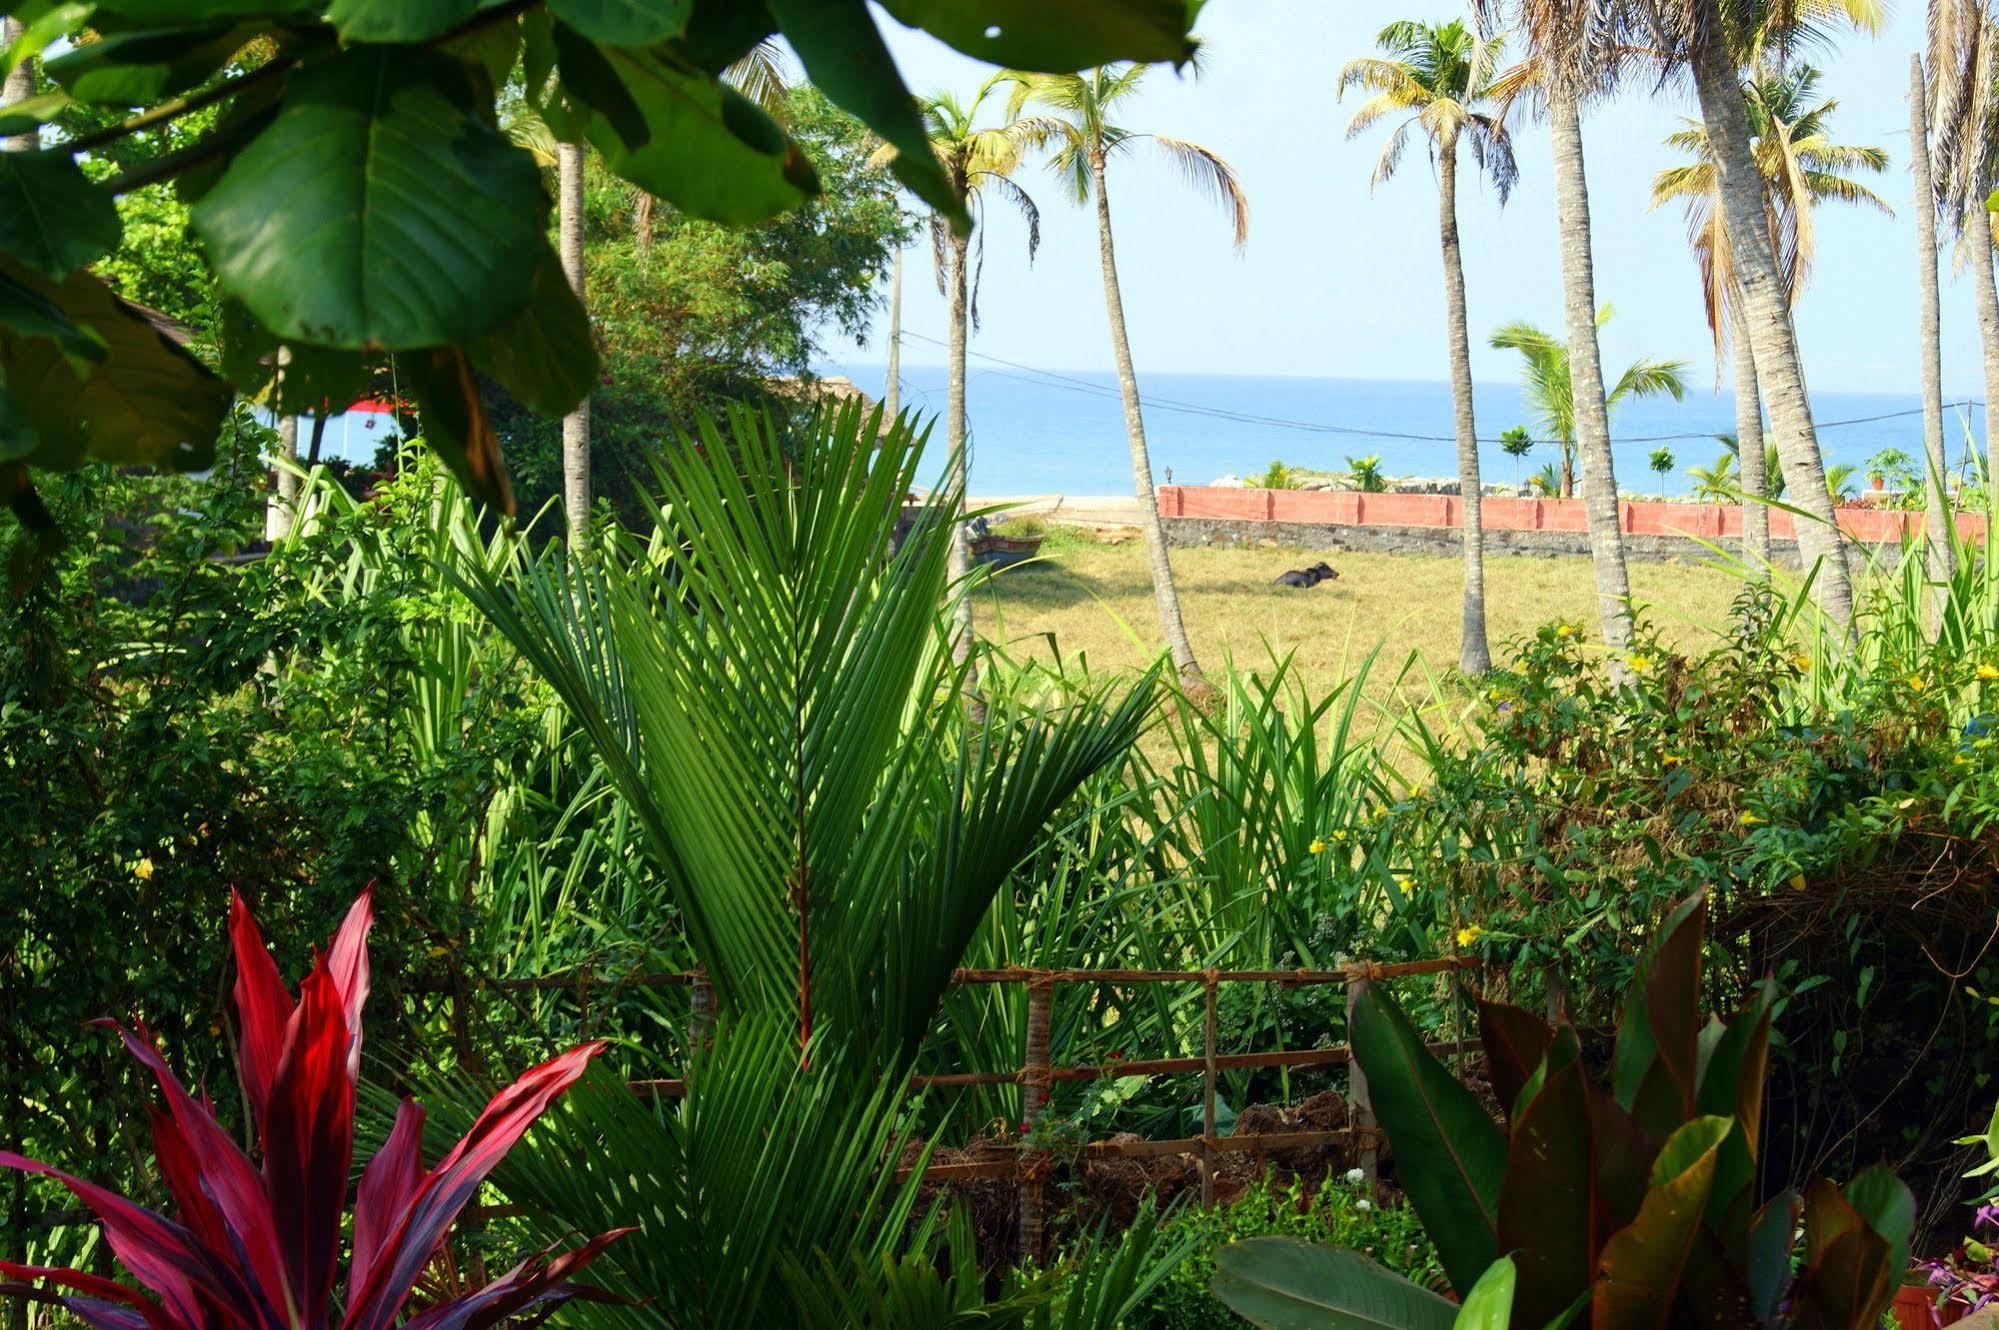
x=1355, y=1175
x=1363, y=1204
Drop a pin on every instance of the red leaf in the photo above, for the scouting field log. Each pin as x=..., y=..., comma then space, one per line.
x=95, y=1286
x=373, y=1303
x=309, y=1144
x=387, y=1185
x=263, y=1008
x=348, y=962
x=163, y=1256
x=536, y=1284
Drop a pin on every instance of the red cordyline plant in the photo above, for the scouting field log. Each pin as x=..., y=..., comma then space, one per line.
x=258, y=1247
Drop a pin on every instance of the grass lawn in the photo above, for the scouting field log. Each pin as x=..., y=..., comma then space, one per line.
x=1094, y=602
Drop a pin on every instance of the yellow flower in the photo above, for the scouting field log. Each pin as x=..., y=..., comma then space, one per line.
x=1495, y=695
x=1566, y=630
x=1917, y=683
x=1317, y=846
x=1905, y=805
x=1672, y=759
x=143, y=870
x=1988, y=672
x=1797, y=882
x=1751, y=820
x=1801, y=662
x=1469, y=934
x=1639, y=664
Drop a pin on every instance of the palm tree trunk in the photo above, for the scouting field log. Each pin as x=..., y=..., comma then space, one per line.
x=575, y=425
x=20, y=86
x=1978, y=237
x=1149, y=521
x=892, y=389
x=955, y=438
x=1766, y=306
x=1937, y=543
x=1606, y=533
x=1749, y=447
x=279, y=504
x=1474, y=653
x=1567, y=487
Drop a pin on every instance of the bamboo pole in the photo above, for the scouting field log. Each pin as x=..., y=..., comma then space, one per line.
x=1208, y=1079
x=1360, y=1109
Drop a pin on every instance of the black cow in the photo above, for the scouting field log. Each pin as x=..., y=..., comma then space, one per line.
x=1304, y=577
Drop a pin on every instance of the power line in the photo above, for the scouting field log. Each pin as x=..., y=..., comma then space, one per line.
x=1051, y=379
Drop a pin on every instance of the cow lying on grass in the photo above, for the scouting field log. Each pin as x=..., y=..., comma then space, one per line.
x=1317, y=573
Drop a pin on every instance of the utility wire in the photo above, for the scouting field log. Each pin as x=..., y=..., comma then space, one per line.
x=1050, y=379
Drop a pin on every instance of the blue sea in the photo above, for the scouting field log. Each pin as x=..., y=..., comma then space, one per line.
x=1035, y=432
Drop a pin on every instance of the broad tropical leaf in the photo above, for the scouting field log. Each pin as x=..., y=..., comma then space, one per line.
x=51, y=217
x=134, y=68
x=1291, y=1284
x=624, y=22
x=378, y=210
x=546, y=355
x=1643, y=1262
x=1053, y=37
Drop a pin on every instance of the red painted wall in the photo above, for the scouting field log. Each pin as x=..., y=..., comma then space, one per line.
x=1705, y=521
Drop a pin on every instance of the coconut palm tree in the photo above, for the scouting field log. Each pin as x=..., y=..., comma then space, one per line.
x=1712, y=42
x=1433, y=76
x=1075, y=119
x=980, y=164
x=1801, y=167
x=1720, y=483
x=1939, y=546
x=1574, y=52
x=1548, y=388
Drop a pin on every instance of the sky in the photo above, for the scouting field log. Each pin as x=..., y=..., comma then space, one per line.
x=1341, y=281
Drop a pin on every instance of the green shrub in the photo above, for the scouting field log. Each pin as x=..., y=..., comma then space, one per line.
x=1339, y=1212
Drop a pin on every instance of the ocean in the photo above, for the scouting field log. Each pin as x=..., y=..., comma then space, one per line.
x=1034, y=432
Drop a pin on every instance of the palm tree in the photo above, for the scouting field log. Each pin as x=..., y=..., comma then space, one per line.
x=1434, y=76
x=1547, y=385
x=1939, y=547
x=1075, y=119
x=1964, y=143
x=979, y=163
x=1801, y=167
x=1662, y=461
x=575, y=425
x=1516, y=443
x=1711, y=40
x=1720, y=483
x=1575, y=52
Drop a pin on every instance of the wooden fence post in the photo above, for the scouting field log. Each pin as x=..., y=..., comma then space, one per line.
x=700, y=1012
x=1360, y=1110
x=1208, y=1077
x=1034, y=1081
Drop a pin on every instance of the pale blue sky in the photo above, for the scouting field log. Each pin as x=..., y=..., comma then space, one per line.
x=1340, y=282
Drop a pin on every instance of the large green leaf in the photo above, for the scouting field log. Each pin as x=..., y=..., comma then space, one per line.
x=1290, y=1284
x=147, y=402
x=51, y=217
x=455, y=424
x=1448, y=1154
x=31, y=311
x=1643, y=1262
x=847, y=59
x=544, y=356
x=682, y=134
x=1655, y=1070
x=378, y=210
x=192, y=13
x=1056, y=36
x=624, y=22
x=1851, y=1268
x=398, y=20
x=1549, y=1214
x=142, y=66
x=1489, y=1305
x=39, y=30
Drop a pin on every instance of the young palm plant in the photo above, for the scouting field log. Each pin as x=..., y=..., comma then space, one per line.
x=769, y=684
x=1801, y=167
x=979, y=163
x=1434, y=76
x=1548, y=390
x=1074, y=117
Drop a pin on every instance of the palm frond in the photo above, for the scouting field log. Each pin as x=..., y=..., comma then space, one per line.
x=760, y=75
x=1211, y=174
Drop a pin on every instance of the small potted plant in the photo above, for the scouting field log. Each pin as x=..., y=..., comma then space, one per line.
x=1966, y=1280
x=1004, y=544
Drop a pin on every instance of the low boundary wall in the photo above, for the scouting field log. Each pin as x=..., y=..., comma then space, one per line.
x=1408, y=523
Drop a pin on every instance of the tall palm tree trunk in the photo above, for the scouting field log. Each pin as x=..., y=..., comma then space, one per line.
x=1749, y=446
x=575, y=425
x=1474, y=653
x=1985, y=291
x=1606, y=534
x=1937, y=551
x=1149, y=521
x=955, y=438
x=1780, y=376
x=892, y=390
x=279, y=504
x=20, y=86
